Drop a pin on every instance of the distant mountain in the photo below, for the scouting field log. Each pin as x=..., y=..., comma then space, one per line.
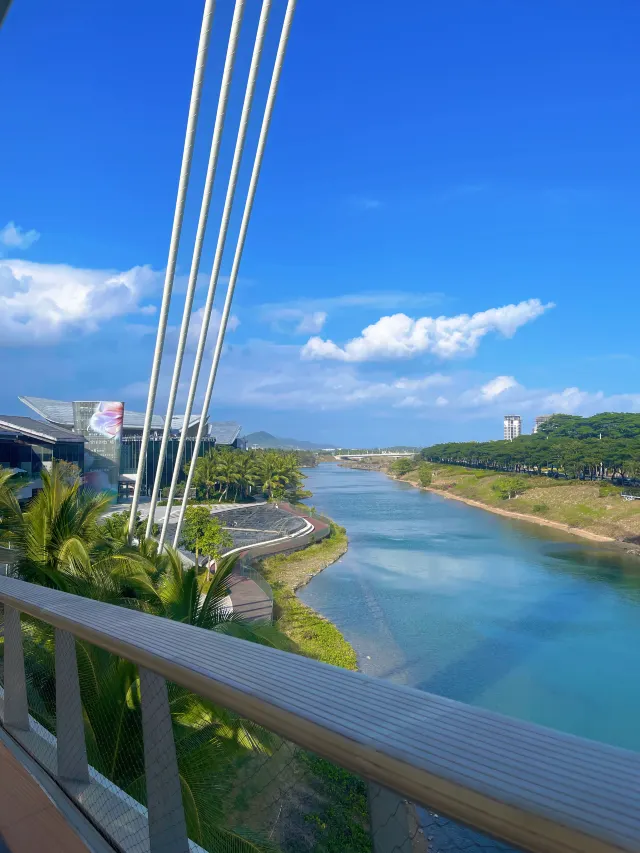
x=266, y=440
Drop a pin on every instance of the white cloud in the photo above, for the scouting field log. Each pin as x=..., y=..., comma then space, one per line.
x=442, y=401
x=294, y=320
x=40, y=303
x=497, y=386
x=573, y=400
x=308, y=316
x=310, y=323
x=195, y=327
x=400, y=336
x=14, y=237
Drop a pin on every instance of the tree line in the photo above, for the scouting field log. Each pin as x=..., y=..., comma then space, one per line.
x=605, y=446
x=226, y=474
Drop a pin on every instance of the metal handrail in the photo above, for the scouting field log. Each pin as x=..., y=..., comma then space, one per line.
x=532, y=787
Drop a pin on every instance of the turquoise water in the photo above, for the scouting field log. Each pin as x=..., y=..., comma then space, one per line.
x=497, y=613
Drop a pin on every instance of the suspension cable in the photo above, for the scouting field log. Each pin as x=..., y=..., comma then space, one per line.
x=217, y=262
x=176, y=229
x=264, y=131
x=223, y=100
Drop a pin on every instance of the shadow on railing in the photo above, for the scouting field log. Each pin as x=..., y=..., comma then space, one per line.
x=173, y=738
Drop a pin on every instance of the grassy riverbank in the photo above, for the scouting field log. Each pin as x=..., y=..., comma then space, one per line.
x=593, y=510
x=312, y=634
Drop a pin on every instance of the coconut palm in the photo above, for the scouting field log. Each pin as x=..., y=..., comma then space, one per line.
x=226, y=470
x=246, y=471
x=58, y=543
x=271, y=472
x=205, y=474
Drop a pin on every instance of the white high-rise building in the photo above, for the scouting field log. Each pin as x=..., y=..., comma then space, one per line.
x=512, y=427
x=540, y=420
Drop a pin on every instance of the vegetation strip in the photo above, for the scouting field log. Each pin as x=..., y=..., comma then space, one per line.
x=590, y=509
x=311, y=634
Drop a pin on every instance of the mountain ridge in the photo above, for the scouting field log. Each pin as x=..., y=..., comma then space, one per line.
x=266, y=440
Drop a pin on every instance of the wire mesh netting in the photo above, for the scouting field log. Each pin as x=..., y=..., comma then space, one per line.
x=163, y=761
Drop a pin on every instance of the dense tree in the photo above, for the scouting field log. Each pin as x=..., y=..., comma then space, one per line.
x=236, y=474
x=604, y=446
x=196, y=521
x=425, y=474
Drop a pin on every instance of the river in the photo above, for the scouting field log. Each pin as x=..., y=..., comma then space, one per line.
x=498, y=613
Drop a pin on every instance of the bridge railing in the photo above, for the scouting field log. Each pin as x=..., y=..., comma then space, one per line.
x=172, y=738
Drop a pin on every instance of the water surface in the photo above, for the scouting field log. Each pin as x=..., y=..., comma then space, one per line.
x=501, y=614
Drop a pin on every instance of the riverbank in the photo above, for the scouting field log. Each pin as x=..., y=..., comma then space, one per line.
x=592, y=511
x=534, y=519
x=311, y=634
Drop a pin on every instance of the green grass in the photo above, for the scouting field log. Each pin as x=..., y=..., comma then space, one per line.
x=592, y=506
x=312, y=634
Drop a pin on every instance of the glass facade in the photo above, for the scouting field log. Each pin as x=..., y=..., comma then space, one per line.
x=131, y=454
x=33, y=456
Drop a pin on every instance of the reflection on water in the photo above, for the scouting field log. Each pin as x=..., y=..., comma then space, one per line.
x=506, y=615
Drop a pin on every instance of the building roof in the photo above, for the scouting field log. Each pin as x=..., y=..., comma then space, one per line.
x=32, y=428
x=224, y=432
x=61, y=412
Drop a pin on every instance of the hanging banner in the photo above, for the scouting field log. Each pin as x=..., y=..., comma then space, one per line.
x=101, y=425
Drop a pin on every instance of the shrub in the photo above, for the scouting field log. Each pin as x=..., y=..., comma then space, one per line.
x=402, y=466
x=607, y=489
x=425, y=475
x=510, y=487
x=541, y=508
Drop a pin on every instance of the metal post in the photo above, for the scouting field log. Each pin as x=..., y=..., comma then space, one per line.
x=72, y=749
x=167, y=825
x=395, y=827
x=16, y=707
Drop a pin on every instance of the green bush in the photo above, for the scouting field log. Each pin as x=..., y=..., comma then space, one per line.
x=402, y=466
x=608, y=489
x=425, y=474
x=541, y=508
x=510, y=487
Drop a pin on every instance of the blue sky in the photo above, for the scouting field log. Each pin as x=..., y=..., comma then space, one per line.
x=442, y=164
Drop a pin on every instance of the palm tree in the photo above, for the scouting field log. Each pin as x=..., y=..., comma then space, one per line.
x=271, y=473
x=226, y=470
x=246, y=471
x=205, y=474
x=60, y=543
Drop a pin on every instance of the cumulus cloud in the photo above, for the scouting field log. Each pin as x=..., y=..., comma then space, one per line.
x=497, y=386
x=399, y=336
x=41, y=303
x=14, y=237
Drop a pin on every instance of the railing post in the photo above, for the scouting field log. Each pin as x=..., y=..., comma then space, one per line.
x=395, y=827
x=72, y=749
x=167, y=825
x=16, y=707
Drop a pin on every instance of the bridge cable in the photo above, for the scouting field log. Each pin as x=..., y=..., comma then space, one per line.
x=216, y=139
x=264, y=131
x=176, y=229
x=217, y=262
